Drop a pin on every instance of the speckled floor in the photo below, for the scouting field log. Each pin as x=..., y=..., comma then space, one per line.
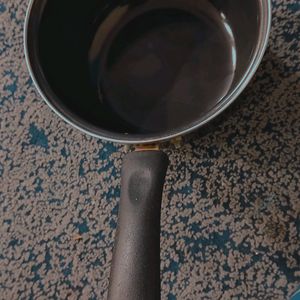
x=230, y=217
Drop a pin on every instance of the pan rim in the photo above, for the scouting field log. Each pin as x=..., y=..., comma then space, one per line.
x=85, y=127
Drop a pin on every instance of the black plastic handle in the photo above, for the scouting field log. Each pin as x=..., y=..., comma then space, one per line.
x=135, y=271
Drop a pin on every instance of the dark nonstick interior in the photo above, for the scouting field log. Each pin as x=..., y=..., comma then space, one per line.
x=142, y=67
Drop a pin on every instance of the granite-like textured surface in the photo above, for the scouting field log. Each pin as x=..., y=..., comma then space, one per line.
x=230, y=217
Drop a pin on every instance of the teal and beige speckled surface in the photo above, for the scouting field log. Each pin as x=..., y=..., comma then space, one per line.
x=231, y=205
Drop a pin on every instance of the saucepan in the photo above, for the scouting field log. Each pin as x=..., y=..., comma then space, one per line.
x=142, y=72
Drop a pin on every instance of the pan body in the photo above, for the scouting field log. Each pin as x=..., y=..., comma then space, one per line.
x=143, y=71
